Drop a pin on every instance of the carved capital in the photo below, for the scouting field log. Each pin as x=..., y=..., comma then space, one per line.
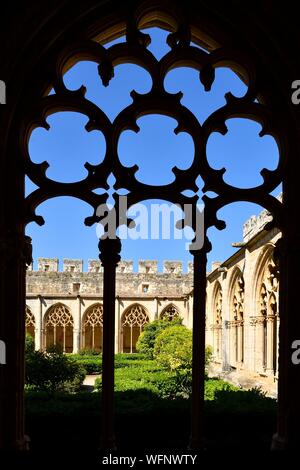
x=110, y=249
x=16, y=248
x=259, y=320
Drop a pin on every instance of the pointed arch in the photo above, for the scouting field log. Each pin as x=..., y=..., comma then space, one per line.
x=58, y=327
x=92, y=327
x=216, y=326
x=30, y=322
x=170, y=312
x=236, y=317
x=265, y=307
x=133, y=321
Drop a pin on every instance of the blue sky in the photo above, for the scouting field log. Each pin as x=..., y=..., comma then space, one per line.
x=156, y=149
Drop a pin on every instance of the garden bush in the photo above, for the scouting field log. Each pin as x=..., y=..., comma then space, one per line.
x=145, y=343
x=89, y=352
x=29, y=344
x=52, y=371
x=91, y=364
x=173, y=348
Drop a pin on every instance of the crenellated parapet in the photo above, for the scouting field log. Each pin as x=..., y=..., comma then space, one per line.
x=48, y=264
x=72, y=265
x=256, y=223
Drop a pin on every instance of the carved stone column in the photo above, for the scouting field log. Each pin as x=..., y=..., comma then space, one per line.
x=15, y=255
x=260, y=343
x=198, y=377
x=77, y=330
x=109, y=256
x=270, y=344
x=240, y=342
x=288, y=430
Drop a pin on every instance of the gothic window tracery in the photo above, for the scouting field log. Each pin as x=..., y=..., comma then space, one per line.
x=92, y=328
x=236, y=323
x=268, y=317
x=134, y=49
x=170, y=313
x=133, y=321
x=59, y=328
x=217, y=322
x=30, y=322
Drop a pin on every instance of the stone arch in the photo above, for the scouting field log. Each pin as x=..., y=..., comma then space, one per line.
x=133, y=320
x=30, y=322
x=170, y=312
x=216, y=326
x=92, y=327
x=58, y=327
x=266, y=315
x=214, y=25
x=265, y=255
x=236, y=317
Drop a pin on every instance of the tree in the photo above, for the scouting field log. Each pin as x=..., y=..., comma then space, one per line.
x=145, y=343
x=173, y=348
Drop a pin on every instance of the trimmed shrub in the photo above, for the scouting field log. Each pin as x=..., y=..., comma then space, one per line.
x=146, y=341
x=89, y=352
x=90, y=364
x=29, y=344
x=52, y=371
x=173, y=348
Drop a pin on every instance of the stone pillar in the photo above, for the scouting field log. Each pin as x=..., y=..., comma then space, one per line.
x=39, y=326
x=109, y=256
x=225, y=346
x=288, y=252
x=260, y=343
x=117, y=320
x=15, y=255
x=156, y=309
x=240, y=342
x=198, y=373
x=270, y=344
x=77, y=331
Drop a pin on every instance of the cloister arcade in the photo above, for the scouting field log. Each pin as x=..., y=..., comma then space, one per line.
x=263, y=49
x=57, y=326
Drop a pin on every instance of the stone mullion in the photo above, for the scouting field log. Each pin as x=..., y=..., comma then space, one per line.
x=109, y=256
x=15, y=254
x=198, y=372
x=40, y=344
x=240, y=341
x=270, y=343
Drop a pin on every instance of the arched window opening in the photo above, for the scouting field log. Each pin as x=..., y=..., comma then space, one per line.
x=133, y=322
x=92, y=328
x=59, y=328
x=236, y=323
x=30, y=323
x=268, y=317
x=169, y=313
x=217, y=322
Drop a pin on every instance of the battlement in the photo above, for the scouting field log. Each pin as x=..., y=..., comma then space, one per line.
x=48, y=264
x=75, y=266
x=173, y=267
x=72, y=265
x=256, y=223
x=148, y=266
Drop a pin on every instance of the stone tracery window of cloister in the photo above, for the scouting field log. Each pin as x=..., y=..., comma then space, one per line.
x=266, y=319
x=58, y=328
x=92, y=328
x=158, y=100
x=170, y=313
x=134, y=320
x=217, y=322
x=30, y=323
x=236, y=322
